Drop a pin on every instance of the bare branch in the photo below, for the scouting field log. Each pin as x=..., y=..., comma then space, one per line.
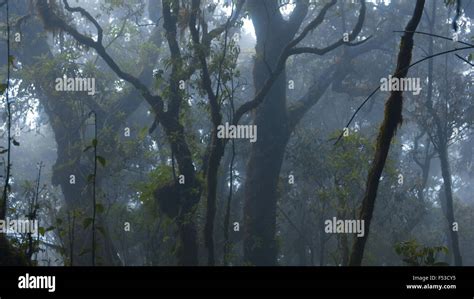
x=355, y=32
x=313, y=24
x=464, y=59
x=396, y=74
x=280, y=66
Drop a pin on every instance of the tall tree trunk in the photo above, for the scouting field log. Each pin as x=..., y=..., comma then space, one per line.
x=446, y=173
x=216, y=153
x=443, y=133
x=266, y=155
x=263, y=172
x=261, y=197
x=189, y=194
x=441, y=146
x=392, y=119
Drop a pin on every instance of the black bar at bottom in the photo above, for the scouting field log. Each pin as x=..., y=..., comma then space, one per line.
x=289, y=282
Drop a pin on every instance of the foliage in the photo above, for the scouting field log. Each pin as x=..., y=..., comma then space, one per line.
x=414, y=254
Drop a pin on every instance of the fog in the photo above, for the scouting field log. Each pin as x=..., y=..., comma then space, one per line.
x=237, y=133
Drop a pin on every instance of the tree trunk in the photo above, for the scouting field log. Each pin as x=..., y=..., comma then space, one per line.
x=260, y=202
x=216, y=153
x=263, y=172
x=392, y=119
x=189, y=193
x=266, y=155
x=446, y=173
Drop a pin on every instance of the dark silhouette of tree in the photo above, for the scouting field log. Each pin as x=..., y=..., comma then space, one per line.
x=392, y=120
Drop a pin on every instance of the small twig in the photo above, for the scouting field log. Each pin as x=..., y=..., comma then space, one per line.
x=408, y=67
x=88, y=16
x=464, y=59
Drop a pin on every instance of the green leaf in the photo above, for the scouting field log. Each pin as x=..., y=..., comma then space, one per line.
x=99, y=208
x=3, y=87
x=59, y=221
x=101, y=230
x=87, y=222
x=94, y=142
x=11, y=59
x=76, y=213
x=90, y=178
x=87, y=148
x=41, y=230
x=50, y=228
x=143, y=133
x=101, y=160
x=84, y=251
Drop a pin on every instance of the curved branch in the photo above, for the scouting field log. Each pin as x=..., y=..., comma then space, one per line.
x=230, y=22
x=436, y=35
x=313, y=24
x=297, y=17
x=464, y=59
x=88, y=16
x=280, y=66
x=396, y=74
x=355, y=32
x=51, y=20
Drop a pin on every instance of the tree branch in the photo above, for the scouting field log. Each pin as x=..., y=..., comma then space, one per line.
x=51, y=20
x=297, y=17
x=396, y=74
x=206, y=78
x=280, y=66
x=219, y=30
x=88, y=16
x=464, y=59
x=355, y=32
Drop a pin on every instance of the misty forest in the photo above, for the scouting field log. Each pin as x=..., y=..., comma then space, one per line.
x=236, y=132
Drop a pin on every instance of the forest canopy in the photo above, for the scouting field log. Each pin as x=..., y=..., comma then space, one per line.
x=236, y=132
